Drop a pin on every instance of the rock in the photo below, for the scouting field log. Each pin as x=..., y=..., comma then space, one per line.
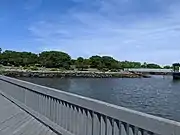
x=62, y=74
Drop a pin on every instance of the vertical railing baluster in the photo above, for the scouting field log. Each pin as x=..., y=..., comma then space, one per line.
x=103, y=125
x=41, y=104
x=112, y=126
x=66, y=116
x=81, y=121
x=39, y=109
x=116, y=127
x=109, y=126
x=45, y=107
x=57, y=112
x=136, y=130
x=96, y=124
x=77, y=121
x=37, y=101
x=74, y=120
x=48, y=109
x=140, y=132
x=127, y=128
x=145, y=132
x=60, y=113
x=54, y=111
x=120, y=127
x=51, y=109
x=63, y=115
x=69, y=117
x=61, y=110
x=89, y=123
x=84, y=121
x=123, y=129
x=131, y=130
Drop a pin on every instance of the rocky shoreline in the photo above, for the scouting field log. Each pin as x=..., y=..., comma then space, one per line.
x=71, y=74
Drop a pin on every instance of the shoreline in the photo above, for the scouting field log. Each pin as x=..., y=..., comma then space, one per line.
x=71, y=74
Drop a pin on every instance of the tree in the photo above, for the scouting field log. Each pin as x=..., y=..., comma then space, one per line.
x=95, y=62
x=152, y=65
x=55, y=59
x=144, y=65
x=81, y=63
x=73, y=61
x=14, y=58
x=109, y=63
x=167, y=67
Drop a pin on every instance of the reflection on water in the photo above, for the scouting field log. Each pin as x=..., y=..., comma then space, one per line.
x=157, y=95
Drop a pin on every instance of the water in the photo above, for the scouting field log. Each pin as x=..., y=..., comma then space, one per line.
x=158, y=95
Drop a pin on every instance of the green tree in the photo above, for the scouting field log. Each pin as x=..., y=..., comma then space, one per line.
x=109, y=63
x=14, y=58
x=152, y=65
x=167, y=67
x=55, y=59
x=96, y=62
x=73, y=61
x=144, y=65
x=81, y=63
x=129, y=64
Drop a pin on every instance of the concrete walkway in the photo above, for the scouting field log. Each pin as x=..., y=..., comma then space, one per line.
x=15, y=121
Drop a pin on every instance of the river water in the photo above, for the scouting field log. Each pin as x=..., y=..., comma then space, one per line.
x=158, y=95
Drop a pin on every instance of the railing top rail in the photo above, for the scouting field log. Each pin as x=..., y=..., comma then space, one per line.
x=142, y=120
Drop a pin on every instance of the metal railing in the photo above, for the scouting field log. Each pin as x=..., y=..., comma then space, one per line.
x=70, y=114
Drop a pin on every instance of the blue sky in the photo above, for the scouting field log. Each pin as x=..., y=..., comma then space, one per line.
x=137, y=30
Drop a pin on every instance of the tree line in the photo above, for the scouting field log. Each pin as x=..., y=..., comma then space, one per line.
x=58, y=59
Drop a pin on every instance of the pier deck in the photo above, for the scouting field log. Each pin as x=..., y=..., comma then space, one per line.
x=15, y=121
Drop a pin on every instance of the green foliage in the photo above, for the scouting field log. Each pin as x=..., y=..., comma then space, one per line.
x=73, y=61
x=13, y=58
x=167, y=67
x=59, y=60
x=81, y=63
x=109, y=63
x=96, y=62
x=153, y=66
x=55, y=59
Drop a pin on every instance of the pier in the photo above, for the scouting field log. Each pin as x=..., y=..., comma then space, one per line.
x=28, y=108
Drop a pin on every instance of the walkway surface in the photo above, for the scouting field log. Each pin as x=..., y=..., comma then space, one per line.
x=15, y=121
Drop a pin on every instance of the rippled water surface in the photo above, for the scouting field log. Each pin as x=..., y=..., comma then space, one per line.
x=157, y=95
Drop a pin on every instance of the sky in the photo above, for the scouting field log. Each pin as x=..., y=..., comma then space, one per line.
x=134, y=30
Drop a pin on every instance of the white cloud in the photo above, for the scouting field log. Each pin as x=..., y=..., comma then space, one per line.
x=85, y=33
